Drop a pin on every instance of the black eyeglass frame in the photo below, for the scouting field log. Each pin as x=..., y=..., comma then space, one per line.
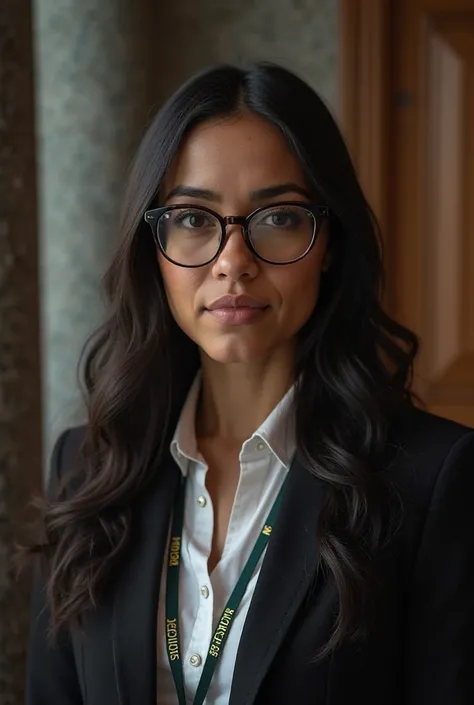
x=153, y=216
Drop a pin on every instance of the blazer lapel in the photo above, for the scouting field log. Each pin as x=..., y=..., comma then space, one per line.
x=137, y=593
x=289, y=568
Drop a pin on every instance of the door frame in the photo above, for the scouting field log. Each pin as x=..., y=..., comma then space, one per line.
x=364, y=74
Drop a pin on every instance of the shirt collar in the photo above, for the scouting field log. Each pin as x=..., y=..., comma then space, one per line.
x=277, y=431
x=184, y=445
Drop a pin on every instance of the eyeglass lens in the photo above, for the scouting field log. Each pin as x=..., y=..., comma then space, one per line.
x=279, y=234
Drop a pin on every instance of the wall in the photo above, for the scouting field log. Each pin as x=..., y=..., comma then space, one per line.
x=301, y=34
x=20, y=410
x=95, y=85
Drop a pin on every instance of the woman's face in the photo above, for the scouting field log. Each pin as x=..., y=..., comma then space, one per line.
x=231, y=161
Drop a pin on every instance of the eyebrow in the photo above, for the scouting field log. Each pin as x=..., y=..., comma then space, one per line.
x=258, y=195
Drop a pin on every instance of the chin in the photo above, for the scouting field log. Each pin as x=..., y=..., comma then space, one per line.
x=232, y=352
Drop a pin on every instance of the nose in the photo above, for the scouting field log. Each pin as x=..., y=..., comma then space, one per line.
x=236, y=261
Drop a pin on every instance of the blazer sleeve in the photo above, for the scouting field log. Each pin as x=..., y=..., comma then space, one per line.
x=51, y=677
x=439, y=664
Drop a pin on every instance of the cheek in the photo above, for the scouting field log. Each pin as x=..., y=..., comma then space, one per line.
x=298, y=286
x=180, y=286
x=301, y=296
x=303, y=283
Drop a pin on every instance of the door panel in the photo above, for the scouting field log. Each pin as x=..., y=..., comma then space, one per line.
x=422, y=184
x=432, y=242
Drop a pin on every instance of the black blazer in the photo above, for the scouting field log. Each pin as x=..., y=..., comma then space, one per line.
x=421, y=651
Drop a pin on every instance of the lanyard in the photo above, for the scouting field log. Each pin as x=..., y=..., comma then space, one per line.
x=224, y=624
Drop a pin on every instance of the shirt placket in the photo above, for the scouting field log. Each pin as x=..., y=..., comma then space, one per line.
x=200, y=526
x=236, y=550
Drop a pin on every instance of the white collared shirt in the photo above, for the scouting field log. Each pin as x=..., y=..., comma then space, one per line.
x=264, y=463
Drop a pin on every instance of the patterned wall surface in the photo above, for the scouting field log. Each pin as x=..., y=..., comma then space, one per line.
x=300, y=34
x=93, y=97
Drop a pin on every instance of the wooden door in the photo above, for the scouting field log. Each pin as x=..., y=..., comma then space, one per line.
x=411, y=129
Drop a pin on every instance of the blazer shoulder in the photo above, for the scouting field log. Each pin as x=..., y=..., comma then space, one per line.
x=419, y=429
x=421, y=445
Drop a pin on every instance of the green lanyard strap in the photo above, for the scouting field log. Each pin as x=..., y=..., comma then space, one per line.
x=224, y=624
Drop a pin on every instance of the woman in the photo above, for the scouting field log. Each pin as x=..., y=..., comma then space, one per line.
x=255, y=511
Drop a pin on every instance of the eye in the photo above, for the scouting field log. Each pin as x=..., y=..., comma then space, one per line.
x=193, y=220
x=281, y=218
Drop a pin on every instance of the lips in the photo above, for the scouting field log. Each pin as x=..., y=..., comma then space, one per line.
x=239, y=301
x=236, y=310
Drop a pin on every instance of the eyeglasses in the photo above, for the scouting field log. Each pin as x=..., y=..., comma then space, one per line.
x=193, y=236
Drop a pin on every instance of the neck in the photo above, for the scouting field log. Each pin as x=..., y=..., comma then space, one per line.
x=236, y=398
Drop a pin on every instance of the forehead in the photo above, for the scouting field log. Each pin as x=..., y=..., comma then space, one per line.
x=241, y=153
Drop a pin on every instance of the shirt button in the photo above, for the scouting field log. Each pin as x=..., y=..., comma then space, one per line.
x=195, y=660
x=260, y=446
x=202, y=501
x=205, y=591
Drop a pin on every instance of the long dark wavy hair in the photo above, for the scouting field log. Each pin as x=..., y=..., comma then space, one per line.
x=354, y=363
